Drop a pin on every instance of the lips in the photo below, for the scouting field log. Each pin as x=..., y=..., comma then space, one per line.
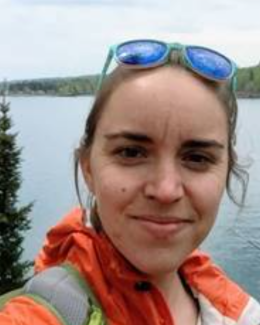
x=161, y=227
x=161, y=219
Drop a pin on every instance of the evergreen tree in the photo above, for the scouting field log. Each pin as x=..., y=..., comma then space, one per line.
x=14, y=220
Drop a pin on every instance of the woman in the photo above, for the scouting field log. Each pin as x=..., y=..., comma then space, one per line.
x=157, y=155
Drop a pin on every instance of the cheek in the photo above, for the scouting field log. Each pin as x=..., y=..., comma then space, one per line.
x=113, y=192
x=208, y=198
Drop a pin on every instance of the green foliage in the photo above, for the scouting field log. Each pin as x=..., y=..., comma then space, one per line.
x=248, y=85
x=14, y=220
x=248, y=81
x=55, y=86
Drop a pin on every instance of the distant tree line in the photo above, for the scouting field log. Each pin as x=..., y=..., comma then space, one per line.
x=248, y=81
x=83, y=85
x=248, y=85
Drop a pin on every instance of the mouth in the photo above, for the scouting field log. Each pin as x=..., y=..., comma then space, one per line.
x=161, y=227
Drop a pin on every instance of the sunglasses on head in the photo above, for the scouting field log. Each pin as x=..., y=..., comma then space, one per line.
x=145, y=54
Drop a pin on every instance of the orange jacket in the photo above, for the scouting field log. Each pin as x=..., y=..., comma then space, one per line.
x=117, y=285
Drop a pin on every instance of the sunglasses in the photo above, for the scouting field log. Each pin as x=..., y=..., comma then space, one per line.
x=145, y=54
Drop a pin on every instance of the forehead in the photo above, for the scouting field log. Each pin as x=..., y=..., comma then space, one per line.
x=161, y=99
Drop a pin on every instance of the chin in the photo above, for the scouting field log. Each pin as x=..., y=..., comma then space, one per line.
x=161, y=262
x=156, y=268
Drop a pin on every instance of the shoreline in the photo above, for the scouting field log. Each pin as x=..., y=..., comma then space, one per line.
x=239, y=95
x=244, y=95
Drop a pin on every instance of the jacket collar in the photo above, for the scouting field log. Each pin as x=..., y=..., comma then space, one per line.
x=221, y=301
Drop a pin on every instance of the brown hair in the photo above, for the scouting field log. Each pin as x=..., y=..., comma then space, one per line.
x=223, y=91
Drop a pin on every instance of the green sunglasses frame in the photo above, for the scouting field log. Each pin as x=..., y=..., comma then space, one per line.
x=170, y=47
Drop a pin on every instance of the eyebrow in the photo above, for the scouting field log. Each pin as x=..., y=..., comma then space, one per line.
x=134, y=136
x=204, y=143
x=141, y=137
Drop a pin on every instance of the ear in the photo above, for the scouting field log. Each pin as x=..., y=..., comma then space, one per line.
x=86, y=170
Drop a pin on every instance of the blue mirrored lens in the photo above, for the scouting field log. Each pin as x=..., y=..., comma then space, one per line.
x=209, y=63
x=142, y=52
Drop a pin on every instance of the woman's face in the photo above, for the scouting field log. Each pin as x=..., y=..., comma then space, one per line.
x=158, y=167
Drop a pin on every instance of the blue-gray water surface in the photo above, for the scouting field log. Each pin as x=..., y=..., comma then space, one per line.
x=49, y=131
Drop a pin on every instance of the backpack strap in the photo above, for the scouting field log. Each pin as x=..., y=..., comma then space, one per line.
x=9, y=295
x=63, y=291
x=96, y=315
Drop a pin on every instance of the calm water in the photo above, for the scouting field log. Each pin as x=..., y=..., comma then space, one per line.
x=49, y=130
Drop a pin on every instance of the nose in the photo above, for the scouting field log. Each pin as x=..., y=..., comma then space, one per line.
x=165, y=183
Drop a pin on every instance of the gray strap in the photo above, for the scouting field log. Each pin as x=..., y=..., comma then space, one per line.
x=55, y=285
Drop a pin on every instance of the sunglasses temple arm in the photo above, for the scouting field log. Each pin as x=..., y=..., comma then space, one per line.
x=105, y=68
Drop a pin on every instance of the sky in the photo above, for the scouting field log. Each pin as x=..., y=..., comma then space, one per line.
x=58, y=38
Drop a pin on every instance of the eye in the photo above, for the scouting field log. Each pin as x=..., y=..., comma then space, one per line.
x=131, y=154
x=198, y=161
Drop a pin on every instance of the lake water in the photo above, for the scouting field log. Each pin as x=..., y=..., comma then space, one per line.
x=49, y=131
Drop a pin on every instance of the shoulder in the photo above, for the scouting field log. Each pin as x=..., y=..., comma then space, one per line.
x=217, y=294
x=56, y=296
x=23, y=310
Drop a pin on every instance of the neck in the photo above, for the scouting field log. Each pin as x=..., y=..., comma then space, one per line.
x=170, y=286
x=181, y=304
